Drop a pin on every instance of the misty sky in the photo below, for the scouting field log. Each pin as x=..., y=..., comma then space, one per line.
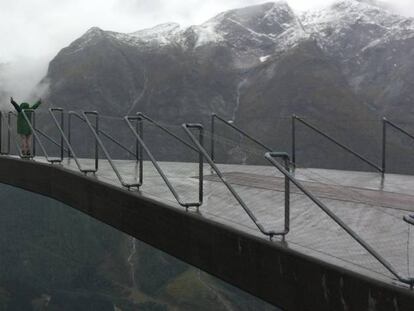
x=33, y=32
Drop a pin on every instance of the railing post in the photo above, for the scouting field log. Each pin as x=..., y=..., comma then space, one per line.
x=69, y=134
x=96, y=142
x=33, y=121
x=201, y=167
x=293, y=142
x=2, y=118
x=62, y=125
x=140, y=153
x=1, y=132
x=9, y=132
x=61, y=130
x=137, y=146
x=384, y=145
x=270, y=156
x=213, y=138
x=287, y=197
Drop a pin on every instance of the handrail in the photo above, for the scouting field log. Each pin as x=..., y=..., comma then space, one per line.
x=270, y=234
x=32, y=125
x=167, y=131
x=51, y=140
x=237, y=129
x=386, y=122
x=270, y=157
x=100, y=132
x=333, y=140
x=65, y=139
x=95, y=131
x=141, y=142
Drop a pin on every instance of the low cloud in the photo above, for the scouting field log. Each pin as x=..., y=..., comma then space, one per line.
x=20, y=79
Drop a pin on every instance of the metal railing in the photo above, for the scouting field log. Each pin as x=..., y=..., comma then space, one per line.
x=248, y=211
x=95, y=132
x=9, y=130
x=8, y=123
x=270, y=157
x=31, y=121
x=50, y=139
x=72, y=114
x=65, y=140
x=101, y=132
x=328, y=137
x=60, y=126
x=237, y=129
x=198, y=146
x=140, y=129
x=385, y=123
x=139, y=138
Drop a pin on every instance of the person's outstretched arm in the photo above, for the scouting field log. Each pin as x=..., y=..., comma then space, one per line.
x=38, y=103
x=16, y=106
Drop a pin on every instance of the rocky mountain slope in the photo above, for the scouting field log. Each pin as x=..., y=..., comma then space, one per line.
x=255, y=65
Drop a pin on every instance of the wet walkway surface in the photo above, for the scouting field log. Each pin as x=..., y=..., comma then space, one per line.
x=371, y=207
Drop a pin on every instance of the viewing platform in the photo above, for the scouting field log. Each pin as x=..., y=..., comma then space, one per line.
x=299, y=238
x=372, y=208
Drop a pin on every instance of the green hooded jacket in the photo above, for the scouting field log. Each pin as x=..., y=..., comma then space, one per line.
x=23, y=127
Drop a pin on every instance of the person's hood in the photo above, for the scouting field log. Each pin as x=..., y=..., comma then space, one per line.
x=24, y=106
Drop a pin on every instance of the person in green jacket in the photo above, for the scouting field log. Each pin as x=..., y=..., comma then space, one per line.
x=23, y=128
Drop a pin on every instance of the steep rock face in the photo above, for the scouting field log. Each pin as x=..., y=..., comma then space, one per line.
x=351, y=60
x=304, y=81
x=101, y=72
x=94, y=73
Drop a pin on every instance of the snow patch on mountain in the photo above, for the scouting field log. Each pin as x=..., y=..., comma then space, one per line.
x=163, y=34
x=332, y=24
x=88, y=39
x=264, y=58
x=207, y=33
x=281, y=14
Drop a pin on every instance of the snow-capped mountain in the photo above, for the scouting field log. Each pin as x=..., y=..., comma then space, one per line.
x=353, y=59
x=353, y=26
x=253, y=31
